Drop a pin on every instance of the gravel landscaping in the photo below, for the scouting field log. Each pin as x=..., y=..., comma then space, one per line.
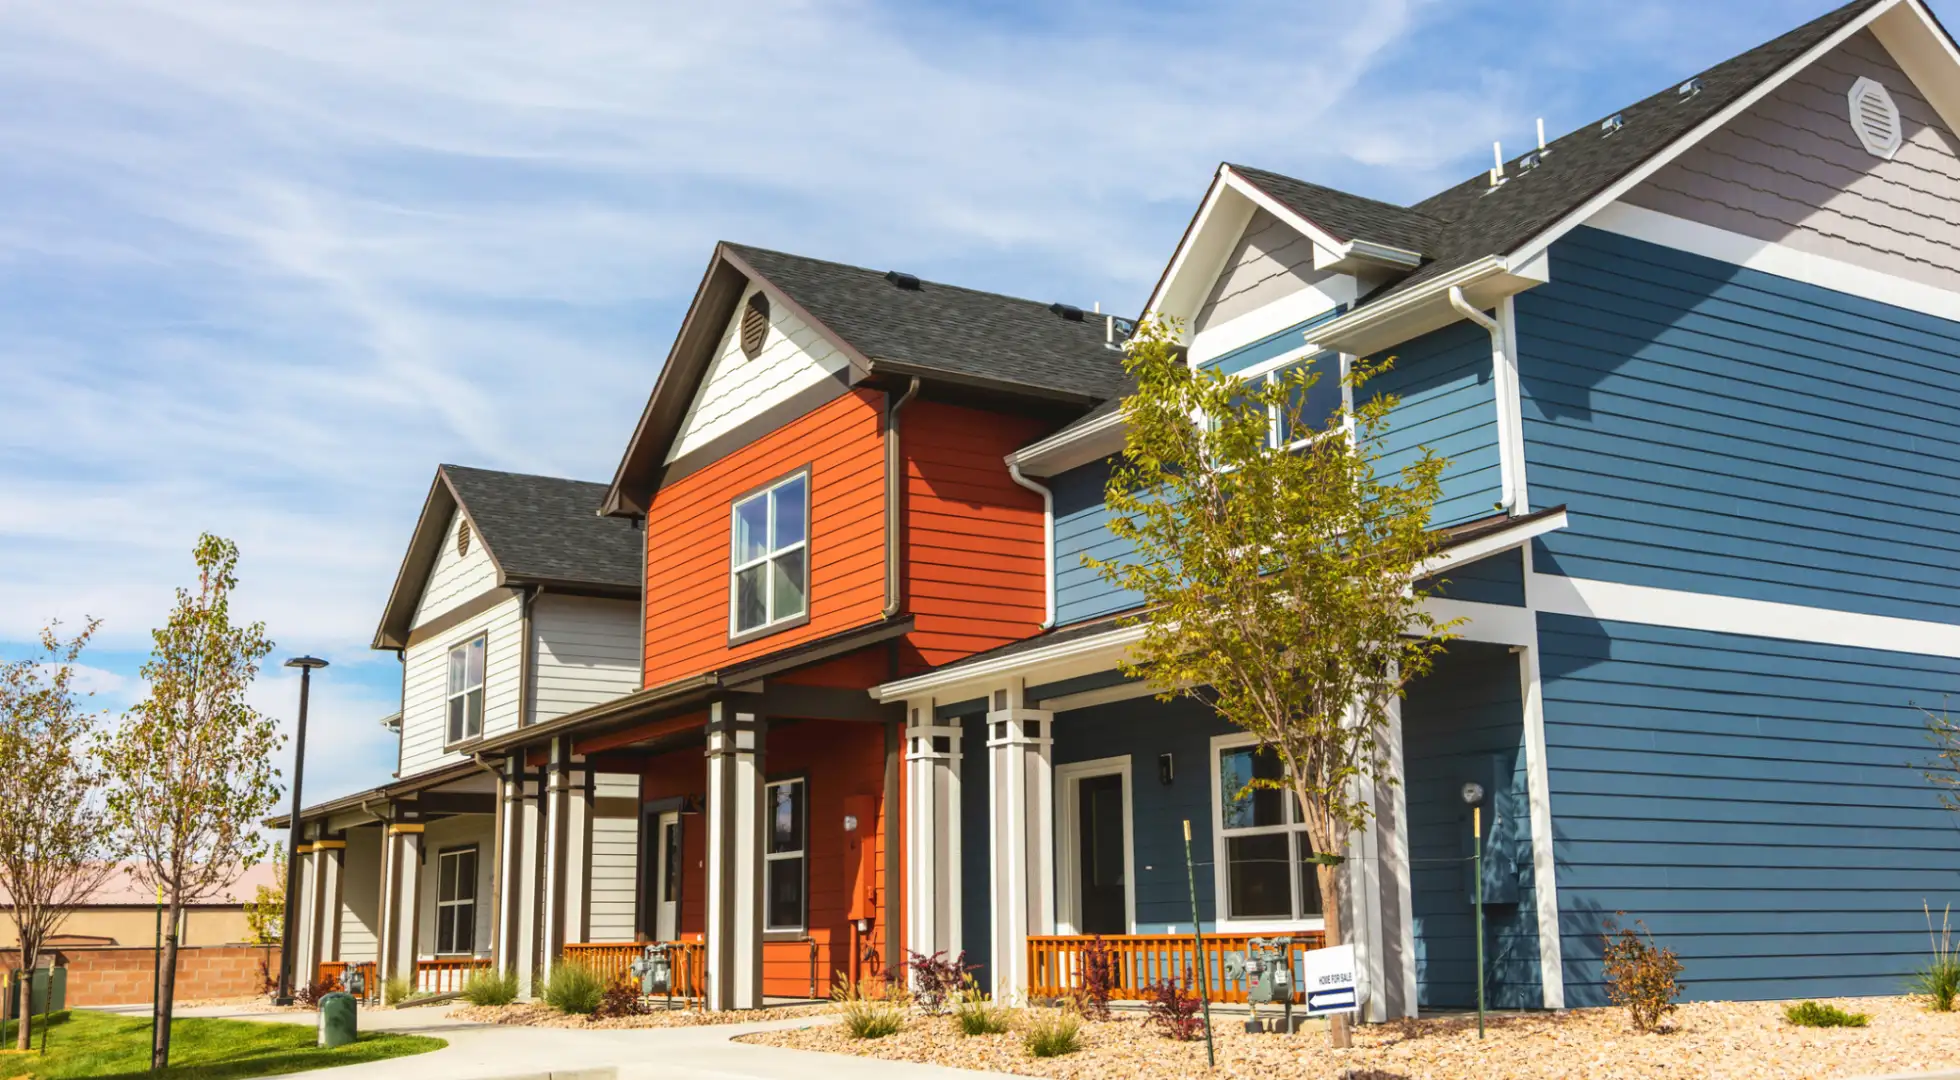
x=538, y=1014
x=1727, y=1040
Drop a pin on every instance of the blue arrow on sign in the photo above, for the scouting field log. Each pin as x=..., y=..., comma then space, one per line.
x=1320, y=1001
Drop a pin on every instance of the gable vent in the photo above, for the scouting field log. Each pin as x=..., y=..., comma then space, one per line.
x=755, y=325
x=901, y=279
x=463, y=540
x=1874, y=117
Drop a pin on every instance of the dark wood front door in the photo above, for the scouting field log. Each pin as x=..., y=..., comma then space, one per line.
x=1100, y=855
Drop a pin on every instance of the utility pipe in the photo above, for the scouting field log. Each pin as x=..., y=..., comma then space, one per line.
x=1500, y=392
x=894, y=485
x=1047, y=539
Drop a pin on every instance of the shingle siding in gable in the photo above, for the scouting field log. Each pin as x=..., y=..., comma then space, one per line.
x=1790, y=170
x=1443, y=379
x=1759, y=804
x=1082, y=529
x=1722, y=430
x=1270, y=261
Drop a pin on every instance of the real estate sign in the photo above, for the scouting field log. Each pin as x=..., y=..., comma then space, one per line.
x=1330, y=985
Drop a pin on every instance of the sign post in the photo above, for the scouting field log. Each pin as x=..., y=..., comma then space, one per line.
x=1330, y=982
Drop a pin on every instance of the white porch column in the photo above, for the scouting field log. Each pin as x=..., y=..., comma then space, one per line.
x=932, y=831
x=1538, y=786
x=327, y=858
x=735, y=824
x=306, y=914
x=505, y=947
x=1021, y=798
x=557, y=853
x=401, y=899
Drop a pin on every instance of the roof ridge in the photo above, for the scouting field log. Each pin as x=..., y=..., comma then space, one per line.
x=1385, y=204
x=1042, y=304
x=511, y=472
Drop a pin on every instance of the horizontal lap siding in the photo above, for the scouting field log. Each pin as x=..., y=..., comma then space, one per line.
x=614, y=876
x=1498, y=579
x=1760, y=804
x=688, y=539
x=1082, y=530
x=1443, y=381
x=973, y=553
x=1469, y=709
x=1722, y=430
x=588, y=652
x=425, y=684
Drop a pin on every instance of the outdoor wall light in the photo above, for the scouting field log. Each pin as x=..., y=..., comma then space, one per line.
x=1473, y=793
x=1164, y=769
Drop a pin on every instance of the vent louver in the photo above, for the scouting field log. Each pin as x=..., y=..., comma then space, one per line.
x=463, y=540
x=1875, y=117
x=755, y=325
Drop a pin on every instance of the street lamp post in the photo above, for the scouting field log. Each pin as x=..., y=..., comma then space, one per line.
x=305, y=664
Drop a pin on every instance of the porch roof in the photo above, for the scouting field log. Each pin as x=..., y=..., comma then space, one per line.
x=382, y=794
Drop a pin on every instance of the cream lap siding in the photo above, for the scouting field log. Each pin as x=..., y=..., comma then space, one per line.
x=587, y=650
x=615, y=861
x=444, y=834
x=1791, y=171
x=1270, y=262
x=455, y=579
x=425, y=680
x=360, y=893
x=794, y=357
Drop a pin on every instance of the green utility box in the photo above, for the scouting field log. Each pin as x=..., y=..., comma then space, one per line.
x=49, y=994
x=339, y=1023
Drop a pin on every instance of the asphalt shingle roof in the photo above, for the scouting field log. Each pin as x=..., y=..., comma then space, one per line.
x=543, y=528
x=1346, y=216
x=962, y=332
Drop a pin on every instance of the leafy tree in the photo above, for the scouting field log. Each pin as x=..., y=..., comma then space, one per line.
x=53, y=852
x=193, y=761
x=265, y=913
x=1943, y=731
x=1280, y=584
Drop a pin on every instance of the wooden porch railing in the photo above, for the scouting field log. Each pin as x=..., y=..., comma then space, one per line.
x=334, y=974
x=613, y=961
x=1055, y=962
x=447, y=974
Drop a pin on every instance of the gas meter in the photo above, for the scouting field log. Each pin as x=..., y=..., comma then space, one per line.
x=1266, y=968
x=355, y=982
x=655, y=970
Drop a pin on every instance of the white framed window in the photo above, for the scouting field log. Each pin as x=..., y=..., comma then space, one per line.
x=1329, y=395
x=769, y=561
x=456, y=901
x=784, y=864
x=466, y=689
x=1260, y=843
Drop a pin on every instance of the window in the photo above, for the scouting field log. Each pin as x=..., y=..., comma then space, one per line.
x=466, y=690
x=1306, y=414
x=1265, y=844
x=769, y=582
x=783, y=861
x=456, y=901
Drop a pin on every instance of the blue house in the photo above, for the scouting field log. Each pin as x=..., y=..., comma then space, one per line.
x=1697, y=369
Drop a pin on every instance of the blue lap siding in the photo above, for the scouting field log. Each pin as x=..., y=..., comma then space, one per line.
x=1443, y=379
x=1721, y=430
x=1497, y=579
x=1759, y=804
x=1081, y=528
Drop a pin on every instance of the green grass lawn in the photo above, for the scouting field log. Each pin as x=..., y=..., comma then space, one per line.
x=99, y=1045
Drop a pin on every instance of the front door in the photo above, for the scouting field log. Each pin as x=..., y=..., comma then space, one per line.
x=1099, y=847
x=667, y=876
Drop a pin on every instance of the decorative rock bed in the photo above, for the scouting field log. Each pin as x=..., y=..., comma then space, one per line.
x=538, y=1014
x=1725, y=1040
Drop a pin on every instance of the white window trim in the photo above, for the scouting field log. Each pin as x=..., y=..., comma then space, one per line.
x=441, y=857
x=1225, y=924
x=735, y=567
x=1263, y=371
x=483, y=710
x=1068, y=778
x=803, y=853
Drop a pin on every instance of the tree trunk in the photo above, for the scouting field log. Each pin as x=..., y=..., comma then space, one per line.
x=1329, y=879
x=30, y=955
x=166, y=992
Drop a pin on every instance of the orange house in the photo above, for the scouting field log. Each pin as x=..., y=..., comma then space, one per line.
x=820, y=472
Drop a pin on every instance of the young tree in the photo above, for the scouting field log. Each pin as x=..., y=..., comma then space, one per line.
x=1280, y=584
x=193, y=762
x=265, y=913
x=53, y=852
x=1943, y=772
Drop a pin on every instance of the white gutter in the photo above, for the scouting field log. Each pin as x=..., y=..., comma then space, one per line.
x=1047, y=538
x=1329, y=335
x=1120, y=637
x=1500, y=391
x=1034, y=455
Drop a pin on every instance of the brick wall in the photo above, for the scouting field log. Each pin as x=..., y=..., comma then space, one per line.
x=121, y=976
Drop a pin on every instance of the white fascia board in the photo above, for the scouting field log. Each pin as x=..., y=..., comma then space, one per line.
x=1925, y=53
x=1422, y=309
x=1547, y=237
x=1322, y=239
x=1485, y=546
x=1098, y=652
x=1220, y=220
x=1072, y=448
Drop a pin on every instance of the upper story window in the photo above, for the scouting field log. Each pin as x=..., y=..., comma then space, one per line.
x=769, y=576
x=466, y=689
x=1307, y=414
x=1264, y=843
x=784, y=908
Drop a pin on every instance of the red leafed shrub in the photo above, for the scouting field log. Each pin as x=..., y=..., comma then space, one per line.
x=1640, y=976
x=935, y=979
x=622, y=998
x=1098, y=979
x=1176, y=1009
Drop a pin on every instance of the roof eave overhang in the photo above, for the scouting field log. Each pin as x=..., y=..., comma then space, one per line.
x=1400, y=316
x=424, y=548
x=884, y=368
x=1073, y=447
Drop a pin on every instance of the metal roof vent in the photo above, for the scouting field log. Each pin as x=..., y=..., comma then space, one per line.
x=1067, y=311
x=903, y=280
x=1875, y=117
x=1611, y=124
x=755, y=324
x=1531, y=161
x=1688, y=89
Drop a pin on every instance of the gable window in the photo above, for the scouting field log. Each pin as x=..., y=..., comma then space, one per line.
x=783, y=862
x=770, y=575
x=466, y=690
x=1263, y=844
x=456, y=901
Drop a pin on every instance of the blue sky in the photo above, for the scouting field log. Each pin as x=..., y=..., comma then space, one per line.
x=264, y=265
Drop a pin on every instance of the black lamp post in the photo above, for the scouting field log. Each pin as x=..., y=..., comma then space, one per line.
x=305, y=664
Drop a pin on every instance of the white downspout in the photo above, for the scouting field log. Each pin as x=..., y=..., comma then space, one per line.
x=1500, y=393
x=1047, y=538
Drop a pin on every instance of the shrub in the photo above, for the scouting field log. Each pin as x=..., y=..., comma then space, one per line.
x=935, y=979
x=573, y=988
x=1053, y=1033
x=622, y=998
x=1939, y=981
x=871, y=1018
x=1175, y=1009
x=397, y=990
x=486, y=987
x=310, y=994
x=1816, y=1014
x=979, y=1016
x=1098, y=979
x=1640, y=976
